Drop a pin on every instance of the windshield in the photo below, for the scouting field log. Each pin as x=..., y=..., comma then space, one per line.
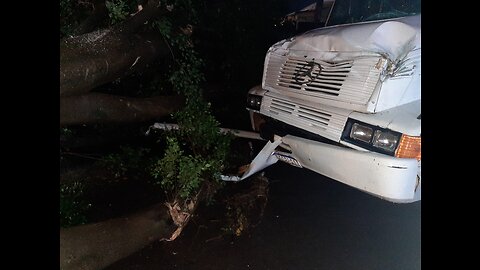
x=353, y=11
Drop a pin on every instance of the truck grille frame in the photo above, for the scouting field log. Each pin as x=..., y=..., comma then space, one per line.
x=350, y=83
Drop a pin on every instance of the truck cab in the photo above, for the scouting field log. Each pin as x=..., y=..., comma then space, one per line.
x=344, y=100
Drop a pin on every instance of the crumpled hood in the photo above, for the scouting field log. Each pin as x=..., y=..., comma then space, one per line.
x=392, y=38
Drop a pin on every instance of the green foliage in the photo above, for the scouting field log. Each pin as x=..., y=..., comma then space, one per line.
x=201, y=155
x=118, y=10
x=179, y=174
x=73, y=206
x=166, y=169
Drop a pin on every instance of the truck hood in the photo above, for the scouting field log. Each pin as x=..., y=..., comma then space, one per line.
x=393, y=38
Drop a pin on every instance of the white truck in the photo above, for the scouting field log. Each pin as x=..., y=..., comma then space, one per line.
x=344, y=100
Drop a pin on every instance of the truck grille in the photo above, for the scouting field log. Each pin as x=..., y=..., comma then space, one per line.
x=326, y=121
x=326, y=77
x=349, y=81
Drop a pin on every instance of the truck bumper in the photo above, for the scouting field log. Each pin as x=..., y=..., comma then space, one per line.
x=393, y=179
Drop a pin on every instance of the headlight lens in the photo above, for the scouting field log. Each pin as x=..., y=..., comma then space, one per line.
x=371, y=137
x=361, y=133
x=382, y=140
x=385, y=140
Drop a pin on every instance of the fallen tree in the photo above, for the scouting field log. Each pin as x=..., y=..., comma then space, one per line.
x=91, y=59
x=94, y=58
x=97, y=245
x=103, y=108
x=195, y=154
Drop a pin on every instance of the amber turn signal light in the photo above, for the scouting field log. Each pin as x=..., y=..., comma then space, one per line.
x=409, y=147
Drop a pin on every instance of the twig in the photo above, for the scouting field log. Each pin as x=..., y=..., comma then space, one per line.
x=214, y=238
x=81, y=155
x=168, y=45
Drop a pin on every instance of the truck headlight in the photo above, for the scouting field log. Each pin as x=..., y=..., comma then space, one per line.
x=382, y=140
x=385, y=140
x=254, y=102
x=371, y=137
x=361, y=133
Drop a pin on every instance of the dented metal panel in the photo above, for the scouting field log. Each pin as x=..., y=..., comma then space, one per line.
x=393, y=179
x=402, y=84
x=393, y=38
x=365, y=67
x=370, y=72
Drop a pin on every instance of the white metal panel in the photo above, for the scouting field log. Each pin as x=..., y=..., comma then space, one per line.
x=402, y=119
x=393, y=38
x=393, y=179
x=349, y=83
x=403, y=85
x=322, y=120
x=396, y=41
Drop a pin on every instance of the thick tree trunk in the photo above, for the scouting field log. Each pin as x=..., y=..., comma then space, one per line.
x=96, y=58
x=104, y=108
x=95, y=246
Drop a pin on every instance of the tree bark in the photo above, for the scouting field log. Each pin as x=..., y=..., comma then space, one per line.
x=96, y=58
x=103, y=108
x=95, y=246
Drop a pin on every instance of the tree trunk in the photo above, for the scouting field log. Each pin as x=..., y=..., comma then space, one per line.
x=104, y=108
x=95, y=246
x=95, y=58
x=99, y=57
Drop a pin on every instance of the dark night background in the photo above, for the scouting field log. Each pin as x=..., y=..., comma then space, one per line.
x=385, y=235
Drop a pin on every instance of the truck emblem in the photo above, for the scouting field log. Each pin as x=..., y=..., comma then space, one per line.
x=305, y=74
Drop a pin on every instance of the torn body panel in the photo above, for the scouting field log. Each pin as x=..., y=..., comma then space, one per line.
x=327, y=81
x=263, y=159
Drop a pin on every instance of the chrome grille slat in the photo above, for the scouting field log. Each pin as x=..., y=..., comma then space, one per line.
x=312, y=119
x=284, y=103
x=317, y=114
x=324, y=69
x=278, y=110
x=282, y=106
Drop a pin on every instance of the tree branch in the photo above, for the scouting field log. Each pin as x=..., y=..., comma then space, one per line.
x=152, y=9
x=91, y=60
x=104, y=108
x=97, y=245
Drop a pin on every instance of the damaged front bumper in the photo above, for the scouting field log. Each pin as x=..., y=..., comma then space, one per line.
x=393, y=179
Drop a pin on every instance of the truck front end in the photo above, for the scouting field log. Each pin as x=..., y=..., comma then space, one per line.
x=345, y=101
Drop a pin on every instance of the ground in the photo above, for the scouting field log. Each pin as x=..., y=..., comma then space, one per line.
x=310, y=222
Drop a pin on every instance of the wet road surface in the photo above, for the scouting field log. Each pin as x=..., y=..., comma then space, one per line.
x=310, y=222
